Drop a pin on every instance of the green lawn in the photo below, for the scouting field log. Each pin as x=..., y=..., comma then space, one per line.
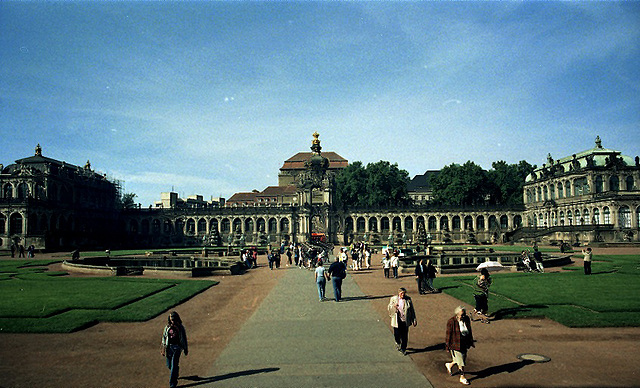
x=36, y=300
x=607, y=298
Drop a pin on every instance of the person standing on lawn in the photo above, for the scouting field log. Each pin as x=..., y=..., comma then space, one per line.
x=588, y=254
x=481, y=286
x=458, y=340
x=174, y=341
x=402, y=316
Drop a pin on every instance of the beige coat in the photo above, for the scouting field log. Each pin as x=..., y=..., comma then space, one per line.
x=409, y=312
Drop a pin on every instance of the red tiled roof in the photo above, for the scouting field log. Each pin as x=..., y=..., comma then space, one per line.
x=243, y=197
x=278, y=190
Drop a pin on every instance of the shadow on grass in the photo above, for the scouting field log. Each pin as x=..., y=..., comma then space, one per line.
x=365, y=297
x=513, y=311
x=447, y=287
x=197, y=380
x=495, y=370
x=431, y=348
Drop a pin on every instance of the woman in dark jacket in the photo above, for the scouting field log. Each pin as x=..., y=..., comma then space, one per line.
x=458, y=340
x=174, y=341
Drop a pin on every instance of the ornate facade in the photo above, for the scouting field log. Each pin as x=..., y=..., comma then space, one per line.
x=590, y=196
x=53, y=204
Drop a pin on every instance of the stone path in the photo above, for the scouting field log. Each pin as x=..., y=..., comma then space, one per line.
x=293, y=340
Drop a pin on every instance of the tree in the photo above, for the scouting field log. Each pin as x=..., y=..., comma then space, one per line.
x=378, y=184
x=460, y=185
x=128, y=200
x=507, y=181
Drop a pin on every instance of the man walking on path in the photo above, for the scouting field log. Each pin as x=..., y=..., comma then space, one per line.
x=402, y=316
x=337, y=271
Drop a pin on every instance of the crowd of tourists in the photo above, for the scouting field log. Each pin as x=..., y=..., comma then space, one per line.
x=30, y=251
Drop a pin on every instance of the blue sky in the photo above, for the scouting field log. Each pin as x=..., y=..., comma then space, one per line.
x=211, y=97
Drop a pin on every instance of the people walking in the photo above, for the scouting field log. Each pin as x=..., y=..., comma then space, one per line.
x=588, y=255
x=431, y=274
x=174, y=341
x=402, y=315
x=337, y=271
x=458, y=340
x=386, y=265
x=481, y=286
x=321, y=280
x=421, y=274
x=395, y=262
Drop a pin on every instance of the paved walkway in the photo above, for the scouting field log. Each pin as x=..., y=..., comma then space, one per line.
x=293, y=340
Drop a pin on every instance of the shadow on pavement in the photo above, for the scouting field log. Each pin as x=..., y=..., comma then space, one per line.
x=206, y=380
x=366, y=297
x=427, y=349
x=494, y=370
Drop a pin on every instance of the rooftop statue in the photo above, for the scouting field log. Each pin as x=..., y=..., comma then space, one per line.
x=598, y=142
x=38, y=150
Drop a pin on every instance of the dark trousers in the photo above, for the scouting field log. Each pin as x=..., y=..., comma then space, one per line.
x=337, y=288
x=421, y=286
x=482, y=304
x=395, y=272
x=386, y=272
x=401, y=334
x=587, y=268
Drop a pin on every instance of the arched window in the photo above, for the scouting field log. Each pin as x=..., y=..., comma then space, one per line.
x=561, y=217
x=529, y=196
x=560, y=191
x=420, y=223
x=552, y=191
x=624, y=217
x=191, y=226
x=156, y=226
x=579, y=221
x=384, y=224
x=15, y=224
x=284, y=225
x=408, y=224
x=586, y=216
x=567, y=189
x=180, y=226
x=236, y=226
x=373, y=224
x=539, y=196
x=606, y=215
x=225, y=225
x=7, y=190
x=493, y=222
x=504, y=221
x=468, y=223
x=629, y=183
x=517, y=220
x=23, y=191
x=348, y=225
x=202, y=226
x=432, y=223
x=213, y=225
x=360, y=225
x=249, y=226
x=168, y=227
x=540, y=220
x=455, y=223
x=599, y=185
x=397, y=224
x=3, y=222
x=569, y=217
x=545, y=191
x=596, y=216
x=444, y=223
x=480, y=223
x=273, y=225
x=614, y=183
x=554, y=218
x=261, y=225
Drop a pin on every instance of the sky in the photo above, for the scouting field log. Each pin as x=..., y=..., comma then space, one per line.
x=210, y=98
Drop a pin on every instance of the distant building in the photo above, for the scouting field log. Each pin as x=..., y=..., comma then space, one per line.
x=295, y=165
x=54, y=205
x=593, y=195
x=171, y=200
x=419, y=188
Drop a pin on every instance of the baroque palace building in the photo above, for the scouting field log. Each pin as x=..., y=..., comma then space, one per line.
x=587, y=197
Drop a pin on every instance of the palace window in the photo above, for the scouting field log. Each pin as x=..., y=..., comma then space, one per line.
x=480, y=223
x=8, y=190
x=614, y=183
x=585, y=215
x=567, y=189
x=570, y=217
x=596, y=216
x=629, y=183
x=561, y=218
x=599, y=185
x=432, y=223
x=607, y=215
x=579, y=221
x=552, y=191
x=560, y=191
x=624, y=217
